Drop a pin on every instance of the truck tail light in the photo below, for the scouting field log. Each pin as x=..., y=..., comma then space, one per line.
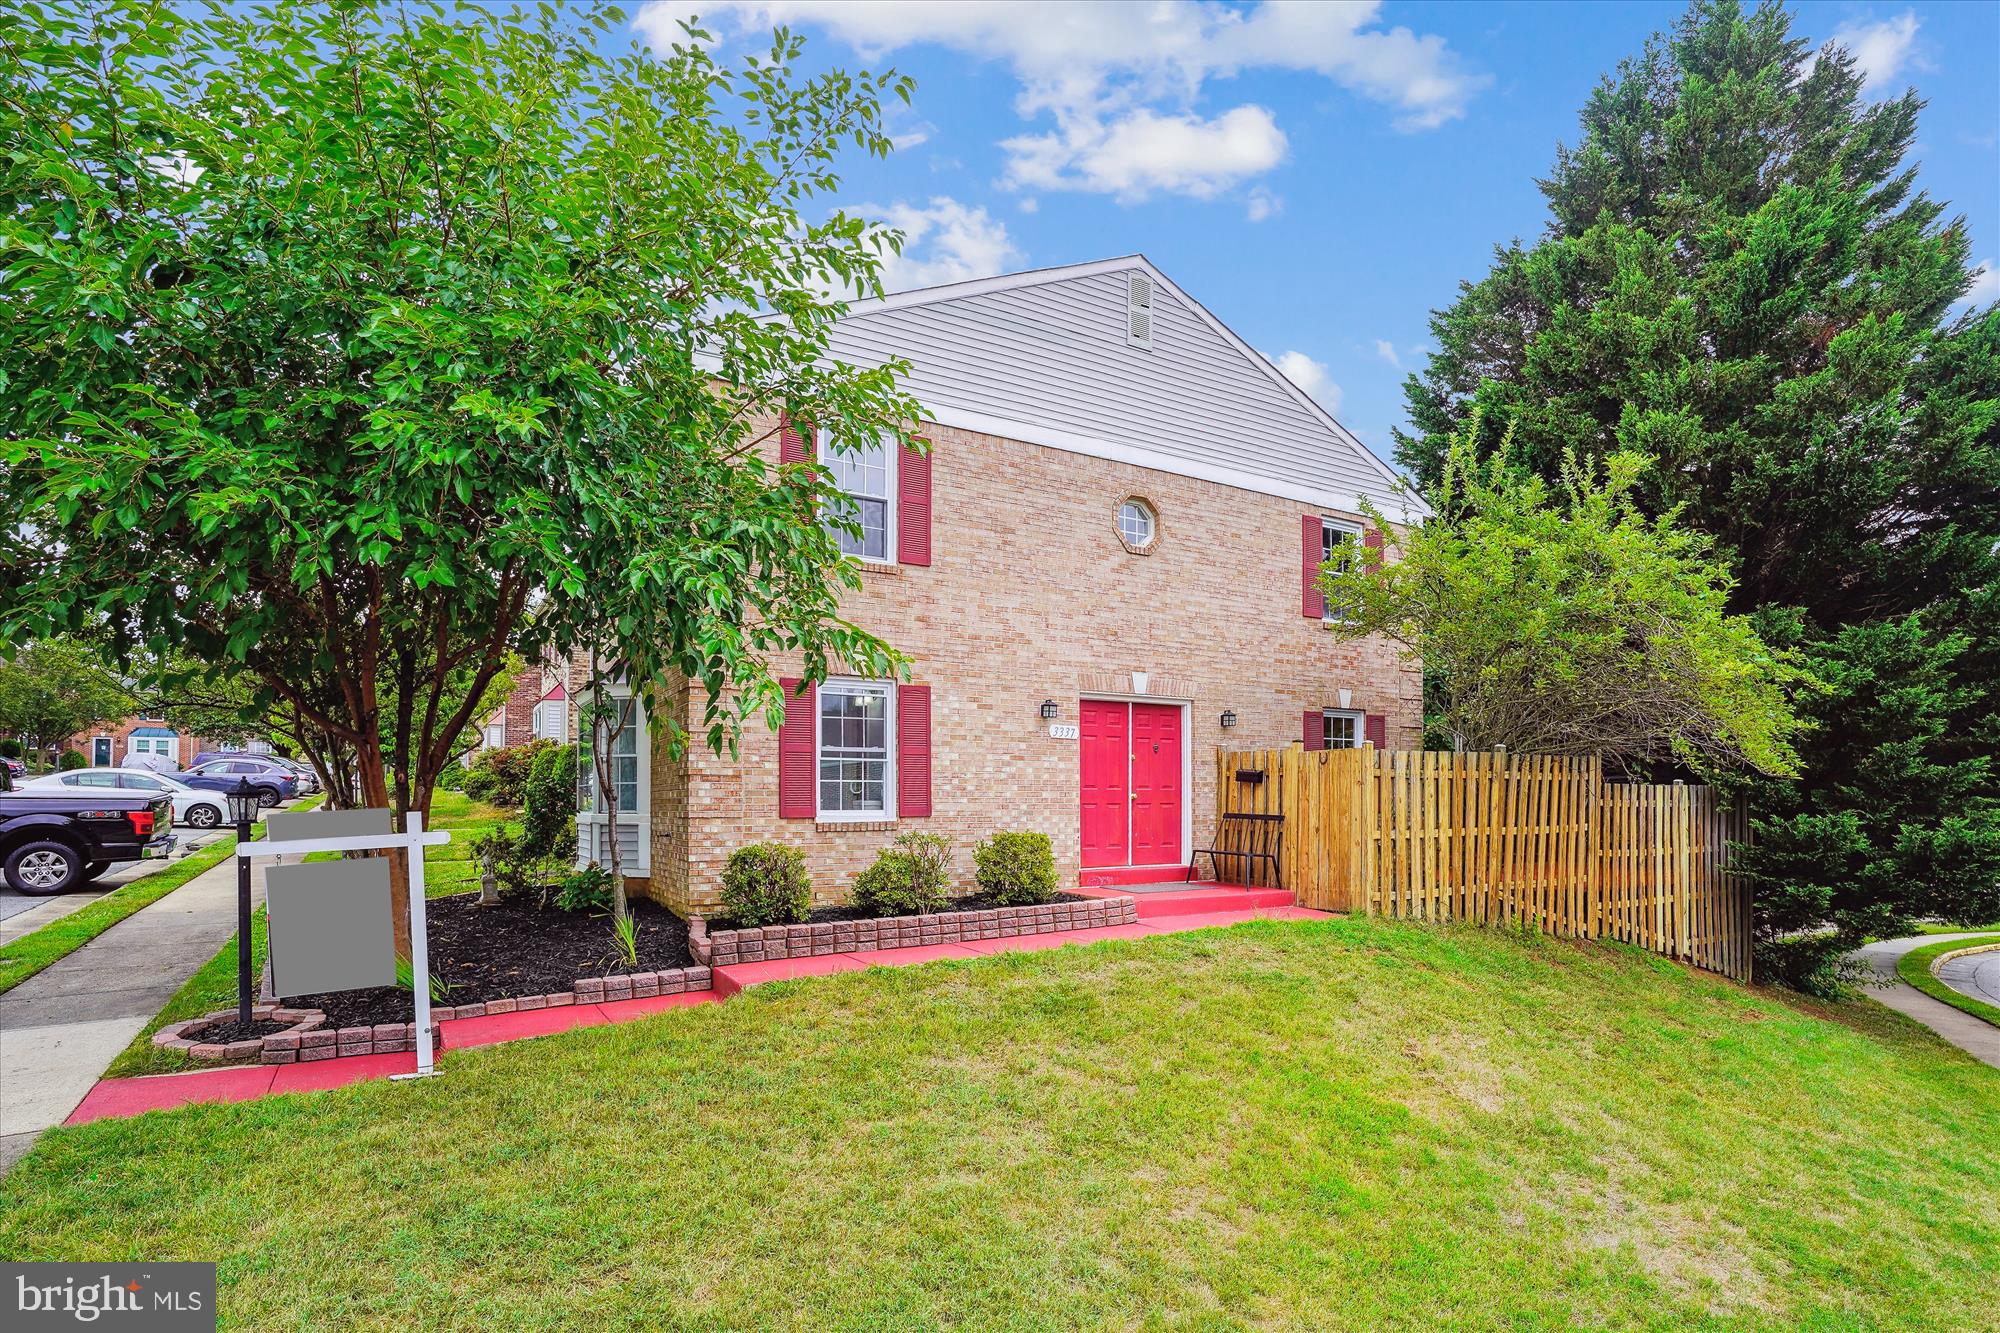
x=142, y=822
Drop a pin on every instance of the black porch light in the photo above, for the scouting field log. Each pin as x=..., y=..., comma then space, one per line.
x=242, y=805
x=242, y=811
x=1049, y=709
x=1228, y=718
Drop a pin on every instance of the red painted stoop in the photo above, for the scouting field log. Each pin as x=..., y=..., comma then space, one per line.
x=1195, y=900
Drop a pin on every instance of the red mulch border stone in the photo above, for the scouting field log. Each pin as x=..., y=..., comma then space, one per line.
x=310, y=1039
x=759, y=944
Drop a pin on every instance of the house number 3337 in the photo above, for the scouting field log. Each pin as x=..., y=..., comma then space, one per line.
x=1063, y=731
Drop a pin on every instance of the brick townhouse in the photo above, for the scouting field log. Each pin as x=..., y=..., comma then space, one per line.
x=1102, y=571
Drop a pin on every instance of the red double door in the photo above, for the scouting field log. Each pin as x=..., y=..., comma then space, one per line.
x=1131, y=783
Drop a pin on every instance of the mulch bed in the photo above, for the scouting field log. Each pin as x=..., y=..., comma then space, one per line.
x=496, y=953
x=232, y=1030
x=847, y=912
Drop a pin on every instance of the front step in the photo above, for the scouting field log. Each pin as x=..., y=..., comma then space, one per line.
x=1196, y=900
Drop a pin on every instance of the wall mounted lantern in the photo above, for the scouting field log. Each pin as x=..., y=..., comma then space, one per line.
x=1228, y=718
x=1049, y=709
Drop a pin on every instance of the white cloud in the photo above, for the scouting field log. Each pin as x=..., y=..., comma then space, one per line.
x=1123, y=80
x=1880, y=47
x=1029, y=204
x=943, y=241
x=1145, y=153
x=1260, y=204
x=1311, y=376
x=1985, y=286
x=1387, y=351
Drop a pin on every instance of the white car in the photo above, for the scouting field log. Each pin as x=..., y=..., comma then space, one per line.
x=192, y=806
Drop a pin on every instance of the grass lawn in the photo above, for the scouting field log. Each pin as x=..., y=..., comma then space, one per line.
x=1915, y=968
x=1351, y=1123
x=39, y=948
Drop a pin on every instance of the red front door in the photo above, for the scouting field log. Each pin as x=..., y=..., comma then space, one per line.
x=1130, y=783
x=1156, y=784
x=1105, y=732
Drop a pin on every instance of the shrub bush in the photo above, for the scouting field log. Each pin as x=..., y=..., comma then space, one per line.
x=1016, y=869
x=72, y=759
x=548, y=803
x=500, y=777
x=588, y=890
x=907, y=879
x=9, y=748
x=766, y=884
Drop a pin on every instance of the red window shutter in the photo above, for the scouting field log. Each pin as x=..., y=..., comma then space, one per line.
x=1315, y=736
x=1371, y=543
x=791, y=443
x=1378, y=731
x=913, y=508
x=913, y=751
x=796, y=797
x=1312, y=602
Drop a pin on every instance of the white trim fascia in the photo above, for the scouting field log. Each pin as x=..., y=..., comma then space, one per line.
x=1000, y=282
x=1069, y=442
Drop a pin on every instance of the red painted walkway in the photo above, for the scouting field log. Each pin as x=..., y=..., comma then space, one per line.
x=1203, y=906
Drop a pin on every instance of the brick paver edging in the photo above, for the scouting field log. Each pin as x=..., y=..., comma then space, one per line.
x=308, y=1039
x=725, y=948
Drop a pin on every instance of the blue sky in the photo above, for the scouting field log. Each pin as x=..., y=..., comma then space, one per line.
x=1320, y=176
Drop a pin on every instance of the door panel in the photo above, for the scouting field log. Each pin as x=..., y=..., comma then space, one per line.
x=1156, y=784
x=1104, y=734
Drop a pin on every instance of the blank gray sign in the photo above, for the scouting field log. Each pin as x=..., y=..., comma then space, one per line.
x=331, y=926
x=292, y=825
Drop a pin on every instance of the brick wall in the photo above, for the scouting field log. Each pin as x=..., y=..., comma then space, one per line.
x=120, y=733
x=1031, y=595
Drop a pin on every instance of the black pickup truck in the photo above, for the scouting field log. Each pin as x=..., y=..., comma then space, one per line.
x=56, y=840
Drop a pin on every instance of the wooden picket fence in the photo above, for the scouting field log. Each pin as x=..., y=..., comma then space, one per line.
x=1493, y=837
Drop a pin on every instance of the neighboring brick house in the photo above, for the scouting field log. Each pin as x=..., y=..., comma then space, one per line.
x=1107, y=554
x=537, y=707
x=109, y=744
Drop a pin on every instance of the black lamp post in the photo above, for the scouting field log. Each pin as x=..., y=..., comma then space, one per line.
x=1049, y=709
x=1228, y=718
x=242, y=809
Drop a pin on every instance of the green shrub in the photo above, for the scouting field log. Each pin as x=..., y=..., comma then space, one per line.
x=588, y=890
x=766, y=884
x=500, y=777
x=907, y=879
x=1016, y=869
x=548, y=803
x=9, y=748
x=72, y=759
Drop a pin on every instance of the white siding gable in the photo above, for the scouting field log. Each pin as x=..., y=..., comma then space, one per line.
x=1051, y=358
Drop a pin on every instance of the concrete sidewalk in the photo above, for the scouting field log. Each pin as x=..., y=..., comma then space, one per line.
x=62, y=1027
x=1976, y=1037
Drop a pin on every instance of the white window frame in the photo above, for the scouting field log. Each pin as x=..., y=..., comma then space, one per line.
x=1359, y=719
x=487, y=736
x=541, y=727
x=892, y=480
x=852, y=684
x=1329, y=613
x=590, y=822
x=1152, y=521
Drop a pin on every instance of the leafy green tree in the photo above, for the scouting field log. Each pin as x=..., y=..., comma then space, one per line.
x=1562, y=620
x=1741, y=277
x=54, y=688
x=351, y=345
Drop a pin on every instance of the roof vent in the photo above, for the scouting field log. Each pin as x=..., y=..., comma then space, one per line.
x=1138, y=310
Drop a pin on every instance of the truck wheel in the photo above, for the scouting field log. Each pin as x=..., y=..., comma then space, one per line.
x=39, y=868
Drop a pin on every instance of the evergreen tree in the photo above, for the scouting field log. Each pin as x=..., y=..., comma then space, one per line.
x=1741, y=279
